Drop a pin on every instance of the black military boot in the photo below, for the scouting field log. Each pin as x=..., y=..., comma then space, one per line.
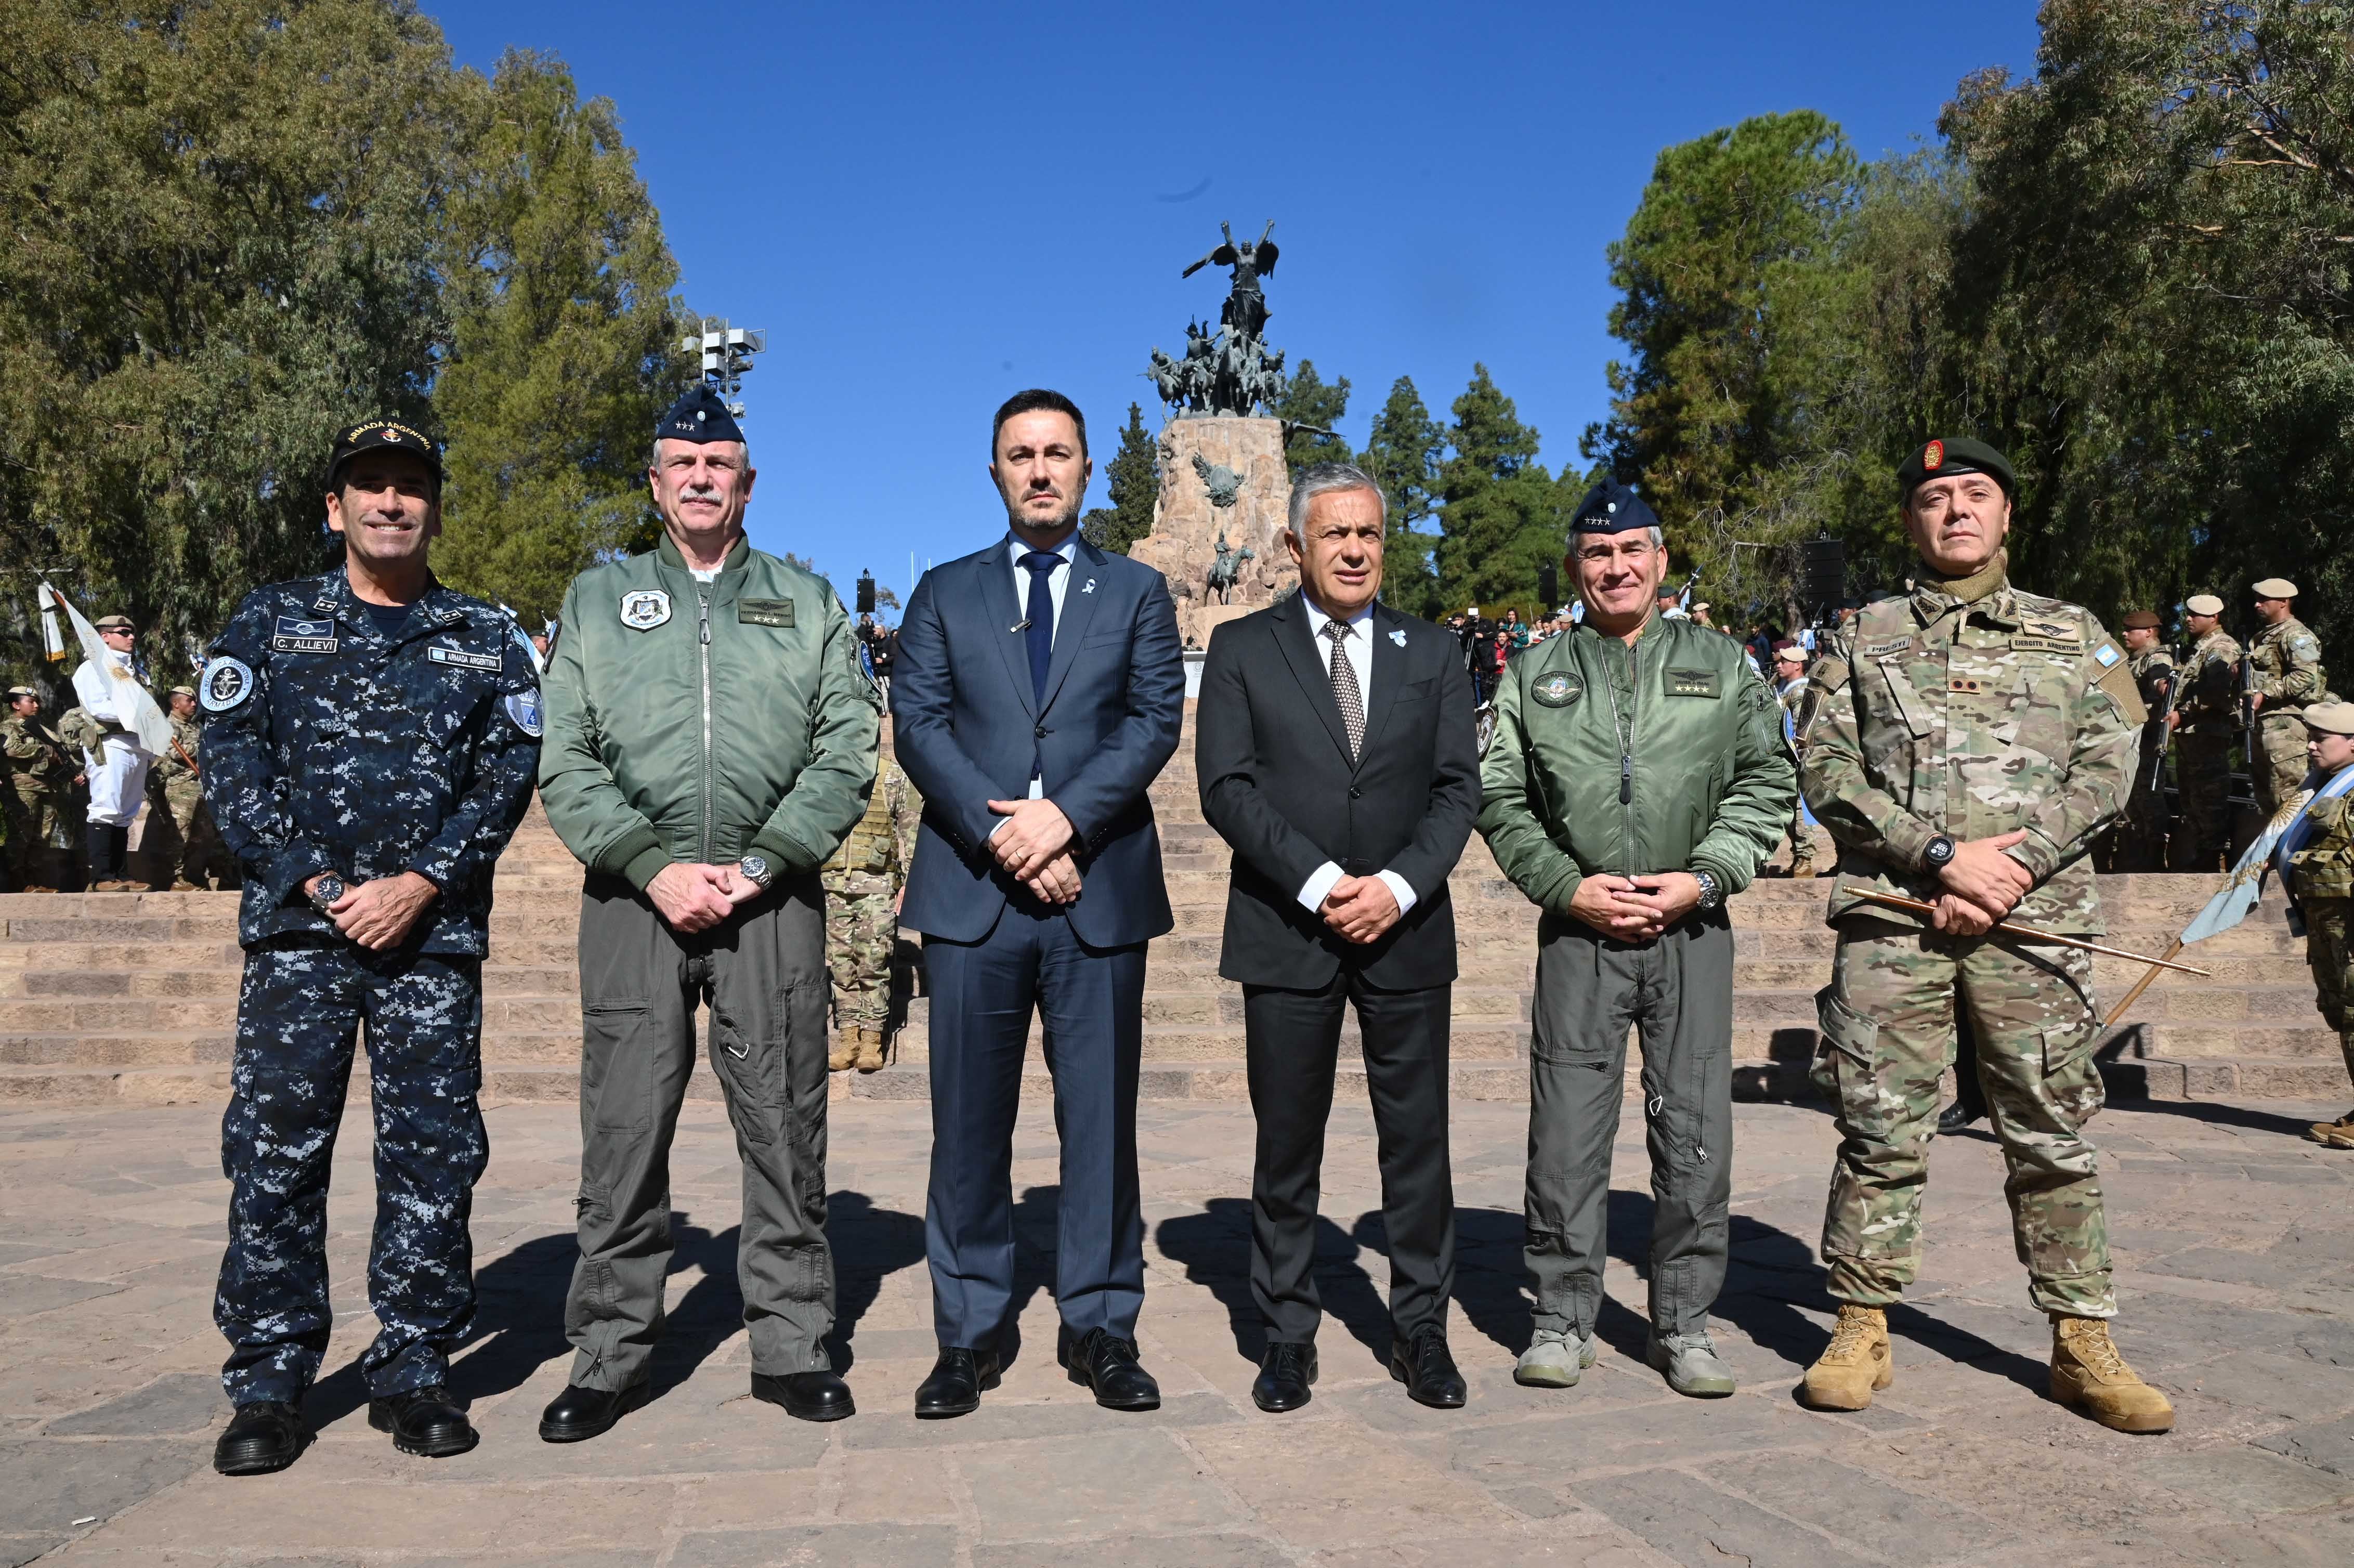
x=424, y=1420
x=105, y=876
x=265, y=1436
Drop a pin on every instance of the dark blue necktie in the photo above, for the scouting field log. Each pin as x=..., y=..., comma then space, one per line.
x=1038, y=630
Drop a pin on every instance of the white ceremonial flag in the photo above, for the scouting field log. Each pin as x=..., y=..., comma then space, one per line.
x=131, y=705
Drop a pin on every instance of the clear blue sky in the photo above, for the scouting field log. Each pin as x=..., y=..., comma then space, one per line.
x=929, y=207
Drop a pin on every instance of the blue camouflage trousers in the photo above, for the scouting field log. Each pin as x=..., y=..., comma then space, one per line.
x=299, y=1013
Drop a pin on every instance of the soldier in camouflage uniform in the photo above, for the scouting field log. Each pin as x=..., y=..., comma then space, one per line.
x=861, y=917
x=41, y=776
x=1790, y=685
x=2287, y=660
x=2138, y=840
x=2206, y=721
x=370, y=739
x=1965, y=751
x=2318, y=855
x=175, y=795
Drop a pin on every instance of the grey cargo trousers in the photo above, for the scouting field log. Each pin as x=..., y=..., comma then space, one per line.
x=1677, y=993
x=762, y=975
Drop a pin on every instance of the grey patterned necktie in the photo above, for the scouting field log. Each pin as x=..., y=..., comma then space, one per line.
x=1344, y=686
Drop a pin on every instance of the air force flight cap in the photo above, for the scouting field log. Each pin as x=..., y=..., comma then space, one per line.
x=1611, y=507
x=2203, y=604
x=700, y=416
x=1952, y=455
x=381, y=435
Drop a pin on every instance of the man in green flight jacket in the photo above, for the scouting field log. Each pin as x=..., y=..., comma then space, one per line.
x=1638, y=778
x=710, y=741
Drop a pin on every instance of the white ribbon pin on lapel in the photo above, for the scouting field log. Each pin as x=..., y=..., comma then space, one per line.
x=1398, y=636
x=1090, y=588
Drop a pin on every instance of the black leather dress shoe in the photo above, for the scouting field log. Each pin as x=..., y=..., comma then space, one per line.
x=424, y=1420
x=1108, y=1365
x=261, y=1437
x=1966, y=1109
x=958, y=1380
x=1284, y=1375
x=809, y=1395
x=580, y=1413
x=1427, y=1370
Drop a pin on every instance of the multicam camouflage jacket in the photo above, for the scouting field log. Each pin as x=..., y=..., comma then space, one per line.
x=2286, y=659
x=37, y=758
x=2209, y=695
x=331, y=746
x=2322, y=866
x=179, y=759
x=1971, y=720
x=883, y=842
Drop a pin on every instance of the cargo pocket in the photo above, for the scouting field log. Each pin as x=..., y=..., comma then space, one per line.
x=1844, y=1069
x=617, y=1067
x=2072, y=1078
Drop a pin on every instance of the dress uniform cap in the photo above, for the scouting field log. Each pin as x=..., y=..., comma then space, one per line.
x=1611, y=507
x=2275, y=588
x=2143, y=619
x=2329, y=718
x=381, y=435
x=2203, y=604
x=1950, y=455
x=116, y=623
x=700, y=416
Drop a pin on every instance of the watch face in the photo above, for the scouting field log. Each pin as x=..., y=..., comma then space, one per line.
x=755, y=866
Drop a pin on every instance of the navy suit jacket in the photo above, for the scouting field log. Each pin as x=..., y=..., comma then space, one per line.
x=967, y=728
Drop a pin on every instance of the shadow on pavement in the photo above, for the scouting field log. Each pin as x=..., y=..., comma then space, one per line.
x=2246, y=1117
x=1215, y=1249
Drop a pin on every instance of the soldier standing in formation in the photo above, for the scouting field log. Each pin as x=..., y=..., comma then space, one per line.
x=1964, y=748
x=2318, y=857
x=1790, y=687
x=2138, y=842
x=862, y=884
x=38, y=795
x=370, y=739
x=2287, y=661
x=175, y=792
x=2206, y=719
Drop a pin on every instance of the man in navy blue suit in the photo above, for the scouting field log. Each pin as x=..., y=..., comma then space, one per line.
x=1037, y=692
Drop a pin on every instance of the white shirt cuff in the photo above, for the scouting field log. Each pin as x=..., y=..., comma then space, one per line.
x=1399, y=889
x=1320, y=882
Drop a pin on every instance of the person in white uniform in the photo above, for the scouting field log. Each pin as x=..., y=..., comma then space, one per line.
x=117, y=769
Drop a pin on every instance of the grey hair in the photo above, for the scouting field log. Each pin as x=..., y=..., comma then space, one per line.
x=1327, y=478
x=654, y=452
x=1658, y=539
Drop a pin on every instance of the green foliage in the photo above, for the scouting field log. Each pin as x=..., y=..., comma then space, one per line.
x=236, y=228
x=1502, y=516
x=1308, y=401
x=564, y=343
x=1132, y=479
x=1403, y=454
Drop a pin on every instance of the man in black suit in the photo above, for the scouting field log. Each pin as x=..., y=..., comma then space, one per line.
x=1336, y=756
x=1038, y=690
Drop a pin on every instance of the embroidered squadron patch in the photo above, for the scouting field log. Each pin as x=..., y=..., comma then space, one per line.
x=1558, y=690
x=645, y=609
x=524, y=712
x=464, y=660
x=226, y=683
x=296, y=635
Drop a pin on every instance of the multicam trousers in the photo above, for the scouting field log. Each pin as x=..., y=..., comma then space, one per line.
x=298, y=1013
x=2329, y=949
x=861, y=933
x=1888, y=1031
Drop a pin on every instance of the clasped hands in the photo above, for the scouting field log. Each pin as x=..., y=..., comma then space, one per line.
x=1635, y=908
x=1982, y=885
x=1034, y=849
x=379, y=915
x=1361, y=909
x=693, y=896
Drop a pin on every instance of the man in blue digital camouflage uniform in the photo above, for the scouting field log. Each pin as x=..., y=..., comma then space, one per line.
x=369, y=745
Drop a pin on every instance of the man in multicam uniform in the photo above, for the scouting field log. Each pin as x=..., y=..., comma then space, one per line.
x=370, y=740
x=1965, y=752
x=2287, y=660
x=2137, y=842
x=175, y=791
x=38, y=792
x=861, y=917
x=2318, y=854
x=2206, y=720
x=1790, y=687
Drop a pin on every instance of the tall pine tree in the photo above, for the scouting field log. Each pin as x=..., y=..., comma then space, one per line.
x=1132, y=478
x=1307, y=401
x=1501, y=514
x=1403, y=454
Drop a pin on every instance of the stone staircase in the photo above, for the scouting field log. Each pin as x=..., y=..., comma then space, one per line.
x=111, y=998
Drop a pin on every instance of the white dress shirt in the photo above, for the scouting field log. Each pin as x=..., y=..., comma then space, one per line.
x=1058, y=583
x=1358, y=647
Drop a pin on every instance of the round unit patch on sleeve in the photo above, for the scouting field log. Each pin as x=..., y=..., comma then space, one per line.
x=524, y=713
x=226, y=683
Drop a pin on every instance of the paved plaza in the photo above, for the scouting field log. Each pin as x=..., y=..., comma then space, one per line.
x=2236, y=1242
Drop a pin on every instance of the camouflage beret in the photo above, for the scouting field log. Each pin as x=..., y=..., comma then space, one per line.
x=1952, y=455
x=2203, y=604
x=2329, y=718
x=2141, y=620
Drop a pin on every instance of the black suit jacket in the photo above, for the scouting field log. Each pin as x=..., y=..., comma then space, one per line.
x=1278, y=785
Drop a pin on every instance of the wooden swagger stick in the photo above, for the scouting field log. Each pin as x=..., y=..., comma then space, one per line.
x=1898, y=901
x=2140, y=986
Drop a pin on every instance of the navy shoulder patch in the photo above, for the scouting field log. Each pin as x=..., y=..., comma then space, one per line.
x=225, y=684
x=1557, y=690
x=522, y=711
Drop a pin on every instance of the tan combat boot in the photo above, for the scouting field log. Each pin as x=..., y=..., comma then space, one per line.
x=870, y=1050
x=2338, y=1134
x=845, y=1052
x=1855, y=1364
x=1803, y=867
x=2088, y=1376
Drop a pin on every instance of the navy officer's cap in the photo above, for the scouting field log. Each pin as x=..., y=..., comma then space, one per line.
x=1611, y=507
x=699, y=416
x=381, y=435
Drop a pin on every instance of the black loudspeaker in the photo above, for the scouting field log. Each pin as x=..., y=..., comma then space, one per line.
x=1823, y=573
x=866, y=593
x=1549, y=589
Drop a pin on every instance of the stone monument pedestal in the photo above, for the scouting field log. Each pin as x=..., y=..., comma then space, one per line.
x=1243, y=457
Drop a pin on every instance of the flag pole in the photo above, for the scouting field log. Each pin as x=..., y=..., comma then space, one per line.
x=2034, y=934
x=2140, y=986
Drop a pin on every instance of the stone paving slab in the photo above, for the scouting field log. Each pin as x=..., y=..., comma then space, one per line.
x=2235, y=1238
